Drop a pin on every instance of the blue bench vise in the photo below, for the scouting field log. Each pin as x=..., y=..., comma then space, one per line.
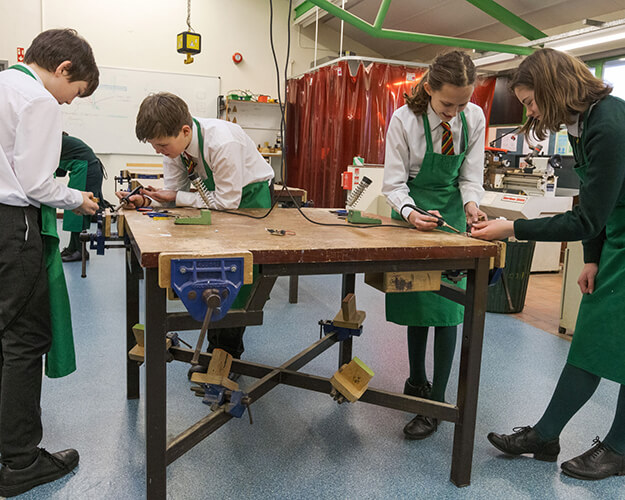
x=233, y=402
x=191, y=278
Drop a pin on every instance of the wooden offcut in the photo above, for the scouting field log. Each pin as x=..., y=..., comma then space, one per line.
x=348, y=316
x=499, y=260
x=352, y=379
x=407, y=281
x=218, y=371
x=137, y=353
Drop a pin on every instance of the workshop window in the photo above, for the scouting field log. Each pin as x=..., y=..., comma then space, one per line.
x=614, y=73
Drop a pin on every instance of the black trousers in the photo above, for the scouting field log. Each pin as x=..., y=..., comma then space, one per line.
x=25, y=333
x=228, y=339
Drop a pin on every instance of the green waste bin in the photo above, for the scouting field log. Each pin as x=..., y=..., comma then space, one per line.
x=508, y=294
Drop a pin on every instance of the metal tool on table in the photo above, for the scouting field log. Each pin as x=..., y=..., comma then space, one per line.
x=126, y=199
x=200, y=187
x=355, y=195
x=440, y=222
x=212, y=298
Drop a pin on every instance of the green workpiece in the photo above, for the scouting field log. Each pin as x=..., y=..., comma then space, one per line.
x=203, y=220
x=356, y=217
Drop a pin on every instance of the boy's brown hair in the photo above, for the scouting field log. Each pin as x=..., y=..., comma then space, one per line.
x=563, y=86
x=52, y=47
x=454, y=67
x=162, y=115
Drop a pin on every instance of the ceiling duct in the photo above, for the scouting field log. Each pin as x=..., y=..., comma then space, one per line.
x=309, y=17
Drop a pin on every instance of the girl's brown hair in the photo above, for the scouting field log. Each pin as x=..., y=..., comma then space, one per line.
x=454, y=67
x=563, y=86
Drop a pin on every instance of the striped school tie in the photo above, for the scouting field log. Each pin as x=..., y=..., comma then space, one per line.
x=447, y=144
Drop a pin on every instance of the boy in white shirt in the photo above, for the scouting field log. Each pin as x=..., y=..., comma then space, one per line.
x=34, y=309
x=222, y=155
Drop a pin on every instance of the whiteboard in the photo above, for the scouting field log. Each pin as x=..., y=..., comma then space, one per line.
x=106, y=119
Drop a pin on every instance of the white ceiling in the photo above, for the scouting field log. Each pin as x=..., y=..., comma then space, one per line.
x=460, y=19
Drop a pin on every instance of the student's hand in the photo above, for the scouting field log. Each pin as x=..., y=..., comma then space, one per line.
x=160, y=195
x=135, y=201
x=88, y=206
x=493, y=229
x=586, y=280
x=423, y=222
x=473, y=213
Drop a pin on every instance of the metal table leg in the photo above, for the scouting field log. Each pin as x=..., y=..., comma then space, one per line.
x=293, y=288
x=469, y=378
x=133, y=274
x=155, y=387
x=345, y=347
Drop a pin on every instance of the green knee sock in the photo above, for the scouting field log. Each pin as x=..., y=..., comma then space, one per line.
x=616, y=436
x=417, y=344
x=574, y=388
x=444, y=348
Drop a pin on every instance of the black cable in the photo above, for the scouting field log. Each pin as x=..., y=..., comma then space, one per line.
x=502, y=136
x=283, y=164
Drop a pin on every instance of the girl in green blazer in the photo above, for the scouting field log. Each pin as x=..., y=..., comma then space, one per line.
x=559, y=89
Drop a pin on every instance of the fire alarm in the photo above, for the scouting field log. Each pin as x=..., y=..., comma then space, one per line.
x=237, y=57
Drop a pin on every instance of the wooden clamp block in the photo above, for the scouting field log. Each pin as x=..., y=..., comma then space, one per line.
x=107, y=223
x=500, y=259
x=407, y=281
x=218, y=371
x=348, y=316
x=120, y=224
x=352, y=379
x=137, y=353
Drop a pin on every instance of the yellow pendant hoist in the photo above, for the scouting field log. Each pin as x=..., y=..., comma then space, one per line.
x=189, y=42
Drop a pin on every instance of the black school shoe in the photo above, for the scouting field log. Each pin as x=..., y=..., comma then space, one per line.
x=597, y=463
x=73, y=256
x=46, y=467
x=526, y=440
x=420, y=426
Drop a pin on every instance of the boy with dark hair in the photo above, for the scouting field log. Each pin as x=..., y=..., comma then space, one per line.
x=34, y=310
x=227, y=161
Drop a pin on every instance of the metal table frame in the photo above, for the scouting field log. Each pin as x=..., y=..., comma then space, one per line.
x=160, y=453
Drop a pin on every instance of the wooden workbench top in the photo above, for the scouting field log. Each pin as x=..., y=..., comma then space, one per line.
x=311, y=242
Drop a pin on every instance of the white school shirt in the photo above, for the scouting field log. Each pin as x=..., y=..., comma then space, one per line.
x=30, y=144
x=232, y=157
x=405, y=150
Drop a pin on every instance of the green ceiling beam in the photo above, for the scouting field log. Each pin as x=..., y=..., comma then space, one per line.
x=303, y=7
x=379, y=20
x=408, y=36
x=504, y=16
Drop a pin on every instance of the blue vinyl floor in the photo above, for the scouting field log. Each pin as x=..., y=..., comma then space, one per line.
x=303, y=445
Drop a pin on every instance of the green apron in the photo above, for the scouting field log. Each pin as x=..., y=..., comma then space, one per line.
x=435, y=187
x=61, y=359
x=598, y=343
x=255, y=195
x=78, y=180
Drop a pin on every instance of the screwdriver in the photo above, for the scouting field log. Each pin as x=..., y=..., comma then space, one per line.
x=440, y=222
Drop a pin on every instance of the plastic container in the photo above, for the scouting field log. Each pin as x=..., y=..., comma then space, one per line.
x=515, y=278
